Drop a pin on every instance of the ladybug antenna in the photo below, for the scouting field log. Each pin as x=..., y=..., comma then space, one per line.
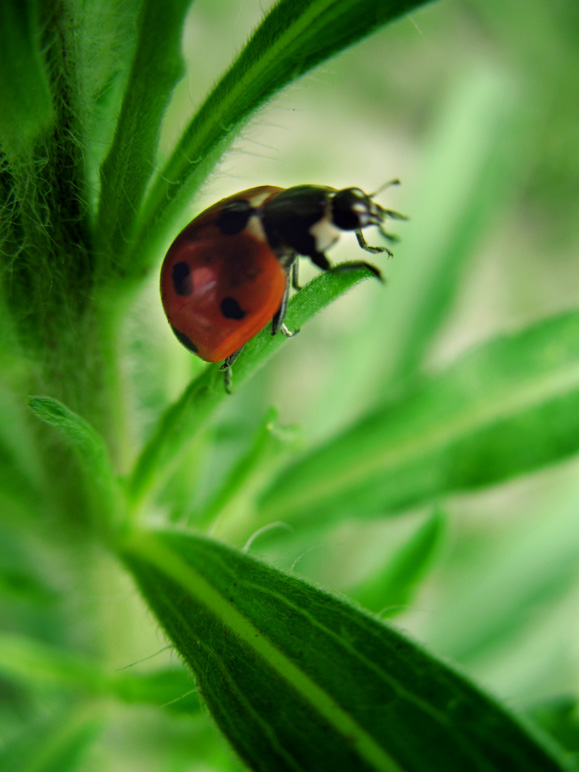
x=388, y=212
x=383, y=187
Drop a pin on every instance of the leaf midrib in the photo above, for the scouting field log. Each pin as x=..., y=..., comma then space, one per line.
x=374, y=462
x=146, y=546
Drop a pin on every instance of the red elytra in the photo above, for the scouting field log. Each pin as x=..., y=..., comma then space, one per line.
x=220, y=289
x=226, y=274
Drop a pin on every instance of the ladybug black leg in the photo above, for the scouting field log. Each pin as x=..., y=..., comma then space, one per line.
x=352, y=265
x=231, y=359
x=226, y=368
x=319, y=259
x=394, y=215
x=367, y=248
x=277, y=321
x=295, y=276
x=390, y=236
x=227, y=378
x=277, y=324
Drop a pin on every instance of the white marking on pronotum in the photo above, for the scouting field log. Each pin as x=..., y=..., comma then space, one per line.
x=324, y=234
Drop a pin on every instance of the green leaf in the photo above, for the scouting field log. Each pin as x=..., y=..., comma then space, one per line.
x=22, y=586
x=90, y=449
x=504, y=409
x=81, y=435
x=178, y=425
x=468, y=167
x=252, y=466
x=157, y=67
x=390, y=589
x=297, y=679
x=508, y=581
x=560, y=718
x=27, y=101
x=46, y=207
x=105, y=38
x=58, y=744
x=35, y=665
x=171, y=689
x=295, y=36
x=20, y=463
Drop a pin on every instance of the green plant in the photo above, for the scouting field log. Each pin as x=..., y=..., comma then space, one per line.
x=106, y=473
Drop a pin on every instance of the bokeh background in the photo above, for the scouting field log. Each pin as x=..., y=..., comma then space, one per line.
x=473, y=105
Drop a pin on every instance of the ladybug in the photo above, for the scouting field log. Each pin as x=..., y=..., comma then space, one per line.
x=226, y=275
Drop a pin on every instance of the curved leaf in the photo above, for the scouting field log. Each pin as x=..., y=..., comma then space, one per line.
x=506, y=408
x=81, y=435
x=90, y=449
x=299, y=680
x=157, y=67
x=391, y=588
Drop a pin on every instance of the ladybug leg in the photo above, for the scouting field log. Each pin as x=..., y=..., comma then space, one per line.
x=277, y=321
x=231, y=359
x=226, y=368
x=295, y=275
x=352, y=265
x=322, y=261
x=373, y=250
x=319, y=259
x=277, y=324
x=390, y=236
x=394, y=215
x=227, y=379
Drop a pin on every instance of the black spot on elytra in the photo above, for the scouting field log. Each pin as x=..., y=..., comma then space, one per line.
x=182, y=280
x=233, y=217
x=187, y=342
x=231, y=309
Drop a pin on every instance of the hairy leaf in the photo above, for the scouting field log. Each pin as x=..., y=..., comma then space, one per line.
x=299, y=680
x=90, y=449
x=157, y=67
x=27, y=101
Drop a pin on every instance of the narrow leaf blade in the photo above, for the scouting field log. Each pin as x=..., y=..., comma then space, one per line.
x=468, y=163
x=390, y=589
x=27, y=100
x=60, y=743
x=560, y=718
x=132, y=157
x=81, y=435
x=504, y=409
x=91, y=450
x=35, y=664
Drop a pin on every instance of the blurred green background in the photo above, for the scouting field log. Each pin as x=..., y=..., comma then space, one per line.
x=473, y=106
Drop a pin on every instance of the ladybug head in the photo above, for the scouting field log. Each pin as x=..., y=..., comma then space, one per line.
x=352, y=210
